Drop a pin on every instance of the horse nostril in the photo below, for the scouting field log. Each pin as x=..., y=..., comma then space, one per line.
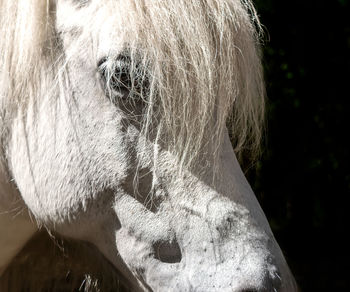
x=167, y=251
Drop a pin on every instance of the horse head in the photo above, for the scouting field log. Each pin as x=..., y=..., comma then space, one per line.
x=114, y=132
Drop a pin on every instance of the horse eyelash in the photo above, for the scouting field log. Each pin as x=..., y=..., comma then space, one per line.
x=121, y=78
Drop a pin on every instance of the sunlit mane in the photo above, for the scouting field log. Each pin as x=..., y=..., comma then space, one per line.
x=202, y=58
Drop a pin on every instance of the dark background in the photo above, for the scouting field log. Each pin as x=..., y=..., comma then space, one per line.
x=303, y=178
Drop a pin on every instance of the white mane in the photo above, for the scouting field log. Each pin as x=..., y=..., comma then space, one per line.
x=197, y=53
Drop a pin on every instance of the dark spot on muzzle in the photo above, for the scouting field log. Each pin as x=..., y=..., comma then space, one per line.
x=167, y=251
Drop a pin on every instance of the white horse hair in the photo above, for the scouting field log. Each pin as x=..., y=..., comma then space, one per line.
x=113, y=118
x=212, y=53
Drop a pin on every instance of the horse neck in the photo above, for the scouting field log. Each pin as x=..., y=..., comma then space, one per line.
x=16, y=227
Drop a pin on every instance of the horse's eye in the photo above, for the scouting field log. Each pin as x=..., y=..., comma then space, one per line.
x=122, y=78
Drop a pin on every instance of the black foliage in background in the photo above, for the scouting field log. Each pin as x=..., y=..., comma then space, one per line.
x=303, y=179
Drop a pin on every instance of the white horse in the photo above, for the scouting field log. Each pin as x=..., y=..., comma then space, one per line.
x=113, y=131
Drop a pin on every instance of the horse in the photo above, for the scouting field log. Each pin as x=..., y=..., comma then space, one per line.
x=116, y=122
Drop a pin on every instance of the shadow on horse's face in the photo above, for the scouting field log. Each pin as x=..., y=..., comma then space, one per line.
x=86, y=168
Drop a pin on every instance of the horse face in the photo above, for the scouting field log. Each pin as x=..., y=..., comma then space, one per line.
x=85, y=169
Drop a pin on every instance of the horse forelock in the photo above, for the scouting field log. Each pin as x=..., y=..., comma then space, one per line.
x=203, y=58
